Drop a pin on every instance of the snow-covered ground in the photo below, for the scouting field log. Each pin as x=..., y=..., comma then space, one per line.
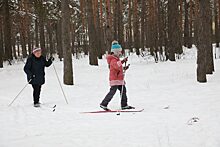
x=152, y=86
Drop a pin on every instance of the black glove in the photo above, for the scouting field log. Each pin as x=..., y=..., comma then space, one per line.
x=126, y=67
x=31, y=77
x=124, y=60
x=51, y=58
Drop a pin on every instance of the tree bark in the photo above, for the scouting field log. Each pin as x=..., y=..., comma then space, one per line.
x=7, y=30
x=143, y=16
x=1, y=44
x=130, y=36
x=209, y=53
x=174, y=35
x=136, y=27
x=50, y=37
x=36, y=33
x=92, y=33
x=68, y=68
x=186, y=24
x=120, y=24
x=41, y=12
x=115, y=13
x=84, y=36
x=59, y=40
x=203, y=43
x=216, y=23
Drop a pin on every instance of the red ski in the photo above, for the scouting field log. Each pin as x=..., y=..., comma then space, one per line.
x=115, y=111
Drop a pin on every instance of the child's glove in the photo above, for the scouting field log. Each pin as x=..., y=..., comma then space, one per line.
x=124, y=60
x=126, y=67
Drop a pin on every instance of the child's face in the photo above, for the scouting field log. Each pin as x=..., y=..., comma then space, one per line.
x=118, y=54
x=37, y=54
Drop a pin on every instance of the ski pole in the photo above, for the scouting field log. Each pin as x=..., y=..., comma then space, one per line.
x=122, y=86
x=60, y=84
x=19, y=93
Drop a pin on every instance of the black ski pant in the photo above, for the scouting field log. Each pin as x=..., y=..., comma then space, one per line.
x=36, y=92
x=112, y=92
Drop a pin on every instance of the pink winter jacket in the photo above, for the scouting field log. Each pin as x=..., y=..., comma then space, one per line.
x=116, y=75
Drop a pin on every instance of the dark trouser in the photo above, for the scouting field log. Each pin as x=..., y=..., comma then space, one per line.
x=112, y=92
x=36, y=93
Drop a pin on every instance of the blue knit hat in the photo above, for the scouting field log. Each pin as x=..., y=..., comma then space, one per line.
x=116, y=47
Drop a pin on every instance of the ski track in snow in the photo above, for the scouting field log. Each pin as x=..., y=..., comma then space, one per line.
x=149, y=85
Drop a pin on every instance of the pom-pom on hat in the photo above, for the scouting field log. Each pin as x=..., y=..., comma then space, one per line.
x=36, y=49
x=116, y=47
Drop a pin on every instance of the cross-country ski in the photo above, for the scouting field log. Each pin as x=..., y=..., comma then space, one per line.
x=115, y=111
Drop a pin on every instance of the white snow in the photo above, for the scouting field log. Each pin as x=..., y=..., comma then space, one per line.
x=152, y=86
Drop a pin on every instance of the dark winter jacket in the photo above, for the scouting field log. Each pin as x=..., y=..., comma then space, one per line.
x=34, y=68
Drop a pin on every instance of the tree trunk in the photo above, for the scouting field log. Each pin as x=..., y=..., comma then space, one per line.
x=160, y=29
x=209, y=53
x=186, y=24
x=120, y=24
x=42, y=35
x=7, y=30
x=73, y=38
x=136, y=27
x=82, y=8
x=23, y=45
x=13, y=40
x=196, y=22
x=50, y=36
x=174, y=35
x=115, y=13
x=216, y=23
x=218, y=16
x=108, y=13
x=203, y=40
x=108, y=34
x=68, y=68
x=143, y=16
x=190, y=25
x=29, y=41
x=99, y=33
x=102, y=42
x=36, y=33
x=130, y=26
x=41, y=18
x=59, y=40
x=92, y=33
x=1, y=44
x=18, y=45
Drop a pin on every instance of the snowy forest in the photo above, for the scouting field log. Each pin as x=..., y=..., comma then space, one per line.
x=160, y=27
x=109, y=73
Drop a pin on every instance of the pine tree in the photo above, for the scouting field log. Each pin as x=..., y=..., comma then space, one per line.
x=68, y=69
x=92, y=34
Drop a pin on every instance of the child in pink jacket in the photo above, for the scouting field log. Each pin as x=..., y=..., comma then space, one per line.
x=116, y=77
